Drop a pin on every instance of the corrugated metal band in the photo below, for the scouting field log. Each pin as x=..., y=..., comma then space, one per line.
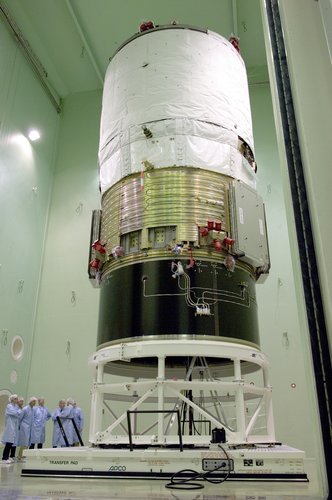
x=182, y=197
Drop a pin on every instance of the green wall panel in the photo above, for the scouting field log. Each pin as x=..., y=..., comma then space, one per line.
x=66, y=325
x=26, y=174
x=282, y=320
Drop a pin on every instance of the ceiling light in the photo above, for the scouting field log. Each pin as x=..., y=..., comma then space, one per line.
x=34, y=135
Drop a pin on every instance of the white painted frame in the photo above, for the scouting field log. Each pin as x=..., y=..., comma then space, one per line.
x=162, y=391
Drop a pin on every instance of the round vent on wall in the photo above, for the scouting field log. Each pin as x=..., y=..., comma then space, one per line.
x=17, y=348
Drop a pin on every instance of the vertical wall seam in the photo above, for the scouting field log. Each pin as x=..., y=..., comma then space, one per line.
x=309, y=267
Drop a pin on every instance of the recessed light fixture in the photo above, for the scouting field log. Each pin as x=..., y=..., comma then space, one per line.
x=33, y=135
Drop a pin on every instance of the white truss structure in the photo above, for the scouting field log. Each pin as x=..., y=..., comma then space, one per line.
x=243, y=409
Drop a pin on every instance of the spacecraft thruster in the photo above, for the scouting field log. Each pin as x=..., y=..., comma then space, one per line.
x=180, y=240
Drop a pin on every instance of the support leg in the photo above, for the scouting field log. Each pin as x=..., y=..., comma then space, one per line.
x=161, y=379
x=239, y=400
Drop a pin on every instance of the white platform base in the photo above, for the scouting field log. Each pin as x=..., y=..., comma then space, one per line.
x=278, y=463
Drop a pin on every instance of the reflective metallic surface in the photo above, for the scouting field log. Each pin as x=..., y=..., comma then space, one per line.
x=178, y=197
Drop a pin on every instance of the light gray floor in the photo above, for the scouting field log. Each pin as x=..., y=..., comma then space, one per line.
x=14, y=487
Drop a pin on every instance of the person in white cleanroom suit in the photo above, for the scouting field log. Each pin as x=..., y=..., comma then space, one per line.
x=26, y=421
x=20, y=404
x=65, y=413
x=9, y=437
x=68, y=422
x=79, y=421
x=40, y=416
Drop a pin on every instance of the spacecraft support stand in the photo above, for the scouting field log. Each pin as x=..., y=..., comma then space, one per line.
x=168, y=394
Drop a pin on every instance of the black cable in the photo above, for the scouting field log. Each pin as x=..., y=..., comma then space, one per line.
x=186, y=483
x=196, y=431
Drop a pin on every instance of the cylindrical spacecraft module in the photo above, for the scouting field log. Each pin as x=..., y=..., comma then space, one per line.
x=182, y=237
